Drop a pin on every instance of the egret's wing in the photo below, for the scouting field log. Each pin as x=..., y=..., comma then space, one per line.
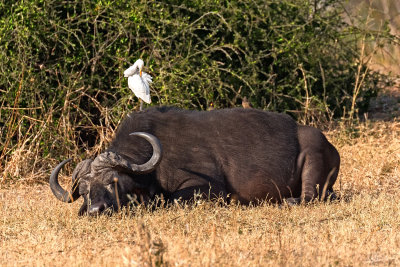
x=140, y=87
x=135, y=84
x=147, y=78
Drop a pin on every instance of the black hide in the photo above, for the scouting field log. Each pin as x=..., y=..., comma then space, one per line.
x=247, y=154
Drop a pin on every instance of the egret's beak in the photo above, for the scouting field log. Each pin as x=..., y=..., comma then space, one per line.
x=140, y=72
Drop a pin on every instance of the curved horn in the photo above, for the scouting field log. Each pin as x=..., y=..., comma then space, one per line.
x=58, y=191
x=155, y=159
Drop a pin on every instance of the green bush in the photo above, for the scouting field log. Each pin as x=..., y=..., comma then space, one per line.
x=62, y=62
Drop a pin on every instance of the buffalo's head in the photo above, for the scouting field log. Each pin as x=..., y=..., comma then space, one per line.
x=107, y=182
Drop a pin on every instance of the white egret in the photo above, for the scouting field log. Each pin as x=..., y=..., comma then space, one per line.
x=139, y=82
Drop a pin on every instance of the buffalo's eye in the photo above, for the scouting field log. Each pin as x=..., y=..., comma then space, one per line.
x=83, y=190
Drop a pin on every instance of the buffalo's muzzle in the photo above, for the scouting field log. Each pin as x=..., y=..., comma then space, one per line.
x=97, y=208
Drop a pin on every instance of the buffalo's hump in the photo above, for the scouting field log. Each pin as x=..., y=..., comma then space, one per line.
x=229, y=147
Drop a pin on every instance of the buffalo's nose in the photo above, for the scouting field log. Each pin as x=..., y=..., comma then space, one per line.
x=97, y=208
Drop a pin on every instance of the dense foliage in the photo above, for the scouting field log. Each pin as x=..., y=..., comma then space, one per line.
x=62, y=62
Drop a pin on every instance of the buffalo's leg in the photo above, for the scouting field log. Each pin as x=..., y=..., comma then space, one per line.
x=320, y=165
x=312, y=175
x=312, y=178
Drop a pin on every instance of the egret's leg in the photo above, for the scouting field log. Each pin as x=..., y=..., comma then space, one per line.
x=141, y=104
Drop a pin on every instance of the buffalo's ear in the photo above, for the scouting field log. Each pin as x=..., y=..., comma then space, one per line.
x=83, y=209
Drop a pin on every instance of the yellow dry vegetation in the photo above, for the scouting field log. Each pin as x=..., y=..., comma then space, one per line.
x=362, y=229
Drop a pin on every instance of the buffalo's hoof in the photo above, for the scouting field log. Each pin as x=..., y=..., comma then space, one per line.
x=331, y=196
x=290, y=202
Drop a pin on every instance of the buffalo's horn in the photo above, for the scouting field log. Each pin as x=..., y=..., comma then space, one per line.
x=58, y=191
x=155, y=159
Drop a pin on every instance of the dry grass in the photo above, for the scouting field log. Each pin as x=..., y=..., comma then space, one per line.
x=360, y=230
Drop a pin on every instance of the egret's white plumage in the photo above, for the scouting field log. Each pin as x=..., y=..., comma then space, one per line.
x=139, y=81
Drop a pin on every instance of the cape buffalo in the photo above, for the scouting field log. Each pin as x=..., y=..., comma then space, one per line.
x=240, y=154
